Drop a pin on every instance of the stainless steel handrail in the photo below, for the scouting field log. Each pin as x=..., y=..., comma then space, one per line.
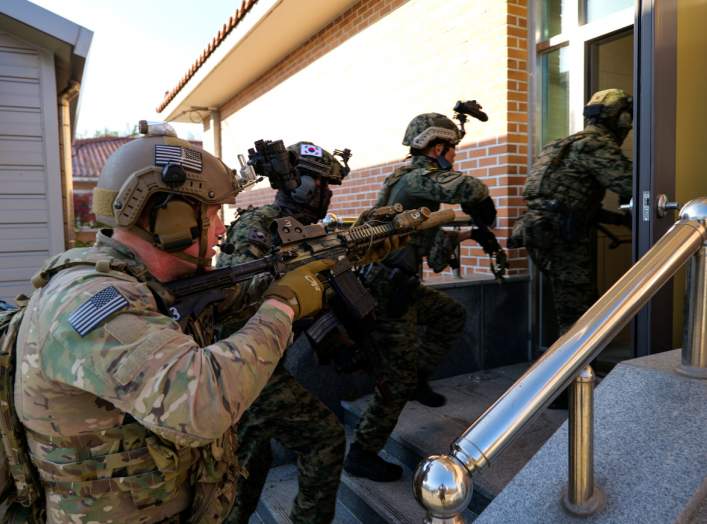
x=443, y=484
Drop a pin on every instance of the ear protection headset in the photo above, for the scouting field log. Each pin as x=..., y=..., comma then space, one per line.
x=174, y=223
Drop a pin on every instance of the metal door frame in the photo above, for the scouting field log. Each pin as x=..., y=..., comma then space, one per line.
x=655, y=85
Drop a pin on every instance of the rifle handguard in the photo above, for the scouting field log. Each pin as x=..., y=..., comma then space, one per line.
x=438, y=218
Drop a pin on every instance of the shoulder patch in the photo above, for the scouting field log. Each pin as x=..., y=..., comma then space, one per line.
x=96, y=309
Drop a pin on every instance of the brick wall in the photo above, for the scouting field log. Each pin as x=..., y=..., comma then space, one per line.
x=472, y=37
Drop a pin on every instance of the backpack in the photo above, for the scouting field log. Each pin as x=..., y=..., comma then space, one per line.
x=21, y=495
x=547, y=162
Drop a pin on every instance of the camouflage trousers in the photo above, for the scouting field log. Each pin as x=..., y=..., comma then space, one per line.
x=569, y=267
x=406, y=349
x=287, y=412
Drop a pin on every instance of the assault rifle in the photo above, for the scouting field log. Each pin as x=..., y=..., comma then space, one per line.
x=300, y=244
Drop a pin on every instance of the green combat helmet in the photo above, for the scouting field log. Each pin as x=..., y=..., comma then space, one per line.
x=311, y=159
x=425, y=128
x=172, y=181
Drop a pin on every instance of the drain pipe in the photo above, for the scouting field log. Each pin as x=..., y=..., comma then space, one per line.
x=67, y=180
x=215, y=124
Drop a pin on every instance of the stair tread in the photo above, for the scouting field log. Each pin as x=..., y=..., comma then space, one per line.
x=279, y=493
x=422, y=431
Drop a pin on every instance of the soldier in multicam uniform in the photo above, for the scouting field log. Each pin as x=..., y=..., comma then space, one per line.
x=564, y=191
x=127, y=417
x=404, y=361
x=285, y=410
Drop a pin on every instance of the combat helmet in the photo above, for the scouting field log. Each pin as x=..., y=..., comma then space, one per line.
x=310, y=159
x=608, y=104
x=174, y=179
x=425, y=128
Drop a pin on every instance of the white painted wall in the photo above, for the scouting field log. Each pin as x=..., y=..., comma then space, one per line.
x=422, y=57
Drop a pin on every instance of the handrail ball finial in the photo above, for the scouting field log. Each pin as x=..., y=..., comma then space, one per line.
x=443, y=487
x=695, y=210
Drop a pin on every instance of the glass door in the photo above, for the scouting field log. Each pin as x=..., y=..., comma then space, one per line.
x=610, y=65
x=581, y=46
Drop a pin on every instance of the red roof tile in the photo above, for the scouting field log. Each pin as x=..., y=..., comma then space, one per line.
x=88, y=155
x=229, y=26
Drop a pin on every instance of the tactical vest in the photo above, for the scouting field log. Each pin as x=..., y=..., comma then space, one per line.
x=151, y=469
x=409, y=258
x=394, y=191
x=20, y=492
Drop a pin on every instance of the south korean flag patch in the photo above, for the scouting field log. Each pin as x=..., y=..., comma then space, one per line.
x=310, y=150
x=96, y=309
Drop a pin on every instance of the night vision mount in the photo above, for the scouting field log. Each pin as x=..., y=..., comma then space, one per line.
x=470, y=108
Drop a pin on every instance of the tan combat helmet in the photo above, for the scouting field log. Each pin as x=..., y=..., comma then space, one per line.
x=427, y=127
x=608, y=103
x=171, y=176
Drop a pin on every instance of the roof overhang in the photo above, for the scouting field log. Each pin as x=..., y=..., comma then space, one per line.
x=68, y=41
x=272, y=30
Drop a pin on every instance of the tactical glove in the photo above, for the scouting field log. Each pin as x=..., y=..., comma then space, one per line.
x=487, y=240
x=301, y=289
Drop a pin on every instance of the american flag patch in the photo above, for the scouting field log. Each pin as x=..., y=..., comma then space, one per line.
x=183, y=156
x=96, y=309
x=310, y=150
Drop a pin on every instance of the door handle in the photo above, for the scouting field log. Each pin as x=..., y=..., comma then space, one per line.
x=663, y=205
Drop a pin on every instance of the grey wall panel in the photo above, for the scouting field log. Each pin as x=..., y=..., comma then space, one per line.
x=19, y=93
x=21, y=152
x=7, y=40
x=20, y=122
x=23, y=238
x=28, y=181
x=23, y=210
x=17, y=64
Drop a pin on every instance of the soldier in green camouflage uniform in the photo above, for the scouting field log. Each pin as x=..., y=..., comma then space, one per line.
x=285, y=410
x=403, y=360
x=565, y=190
x=127, y=417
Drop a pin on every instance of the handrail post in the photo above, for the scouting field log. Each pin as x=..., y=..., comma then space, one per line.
x=694, y=342
x=582, y=497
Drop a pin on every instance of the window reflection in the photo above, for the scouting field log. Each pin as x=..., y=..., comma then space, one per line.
x=555, y=94
x=554, y=17
x=596, y=9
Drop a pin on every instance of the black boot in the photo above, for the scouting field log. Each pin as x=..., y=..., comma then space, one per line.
x=362, y=463
x=424, y=395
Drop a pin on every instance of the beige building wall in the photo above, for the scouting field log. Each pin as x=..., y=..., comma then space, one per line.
x=422, y=57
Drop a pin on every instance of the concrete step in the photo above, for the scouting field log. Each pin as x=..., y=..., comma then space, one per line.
x=422, y=431
x=360, y=501
x=279, y=493
x=649, y=453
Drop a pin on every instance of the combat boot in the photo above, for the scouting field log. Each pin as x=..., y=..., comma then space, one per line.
x=363, y=463
x=425, y=396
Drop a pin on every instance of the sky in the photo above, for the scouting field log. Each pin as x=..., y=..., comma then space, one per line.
x=140, y=49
